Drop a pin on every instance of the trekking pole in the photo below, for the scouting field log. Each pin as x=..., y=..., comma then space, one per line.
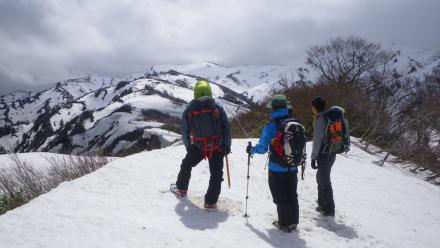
x=303, y=168
x=227, y=171
x=247, y=184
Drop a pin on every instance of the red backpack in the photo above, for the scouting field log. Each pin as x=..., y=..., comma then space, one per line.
x=205, y=126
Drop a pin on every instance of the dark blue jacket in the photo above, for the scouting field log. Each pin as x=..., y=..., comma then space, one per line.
x=270, y=132
x=226, y=133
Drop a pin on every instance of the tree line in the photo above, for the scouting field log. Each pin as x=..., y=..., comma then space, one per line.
x=396, y=111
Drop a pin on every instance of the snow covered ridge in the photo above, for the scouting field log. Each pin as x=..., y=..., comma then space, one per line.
x=103, y=115
x=127, y=204
x=255, y=81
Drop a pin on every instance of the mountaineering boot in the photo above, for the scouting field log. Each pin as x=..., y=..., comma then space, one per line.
x=330, y=214
x=210, y=206
x=320, y=209
x=178, y=192
x=287, y=229
x=325, y=213
x=292, y=227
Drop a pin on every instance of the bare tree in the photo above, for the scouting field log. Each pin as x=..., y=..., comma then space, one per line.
x=345, y=60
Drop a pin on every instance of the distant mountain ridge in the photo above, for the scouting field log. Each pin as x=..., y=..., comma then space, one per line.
x=118, y=116
x=93, y=114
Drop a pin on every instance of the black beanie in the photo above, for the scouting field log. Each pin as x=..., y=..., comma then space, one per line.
x=319, y=103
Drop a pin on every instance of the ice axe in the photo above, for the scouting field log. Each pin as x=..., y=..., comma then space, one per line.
x=227, y=171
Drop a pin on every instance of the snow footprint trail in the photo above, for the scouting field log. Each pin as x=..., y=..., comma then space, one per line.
x=331, y=230
x=196, y=218
x=127, y=203
x=338, y=227
x=224, y=205
x=277, y=238
x=196, y=200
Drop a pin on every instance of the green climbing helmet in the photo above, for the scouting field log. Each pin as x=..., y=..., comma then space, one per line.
x=279, y=101
x=202, y=88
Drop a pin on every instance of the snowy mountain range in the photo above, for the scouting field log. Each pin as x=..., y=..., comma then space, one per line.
x=102, y=115
x=119, y=116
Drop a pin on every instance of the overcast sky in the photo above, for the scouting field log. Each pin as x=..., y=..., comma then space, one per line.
x=44, y=41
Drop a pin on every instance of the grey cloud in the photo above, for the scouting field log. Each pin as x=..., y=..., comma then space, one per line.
x=46, y=41
x=22, y=18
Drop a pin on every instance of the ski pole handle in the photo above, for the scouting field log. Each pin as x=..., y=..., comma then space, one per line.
x=249, y=148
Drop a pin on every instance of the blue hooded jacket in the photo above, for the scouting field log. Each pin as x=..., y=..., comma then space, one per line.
x=270, y=132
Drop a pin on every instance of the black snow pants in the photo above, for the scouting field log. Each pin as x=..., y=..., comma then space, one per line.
x=192, y=158
x=325, y=190
x=283, y=188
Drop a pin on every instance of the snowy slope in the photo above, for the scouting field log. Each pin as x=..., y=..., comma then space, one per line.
x=19, y=110
x=255, y=81
x=127, y=204
x=414, y=61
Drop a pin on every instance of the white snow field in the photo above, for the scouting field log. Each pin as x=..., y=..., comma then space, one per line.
x=127, y=203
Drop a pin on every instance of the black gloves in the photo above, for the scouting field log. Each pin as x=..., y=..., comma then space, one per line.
x=314, y=165
x=346, y=148
x=227, y=150
x=249, y=149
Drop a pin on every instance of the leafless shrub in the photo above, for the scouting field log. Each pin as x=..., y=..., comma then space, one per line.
x=8, y=185
x=30, y=179
x=20, y=181
x=66, y=168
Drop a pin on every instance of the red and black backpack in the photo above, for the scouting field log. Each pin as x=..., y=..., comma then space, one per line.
x=205, y=125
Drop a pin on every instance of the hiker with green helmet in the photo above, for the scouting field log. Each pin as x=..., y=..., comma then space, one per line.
x=283, y=178
x=206, y=135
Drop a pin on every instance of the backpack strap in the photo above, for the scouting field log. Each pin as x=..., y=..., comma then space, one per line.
x=202, y=111
x=324, y=143
x=213, y=146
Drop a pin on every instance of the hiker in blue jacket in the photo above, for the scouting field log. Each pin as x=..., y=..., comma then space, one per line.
x=282, y=181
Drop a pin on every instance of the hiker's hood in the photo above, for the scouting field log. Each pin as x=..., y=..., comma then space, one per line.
x=279, y=112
